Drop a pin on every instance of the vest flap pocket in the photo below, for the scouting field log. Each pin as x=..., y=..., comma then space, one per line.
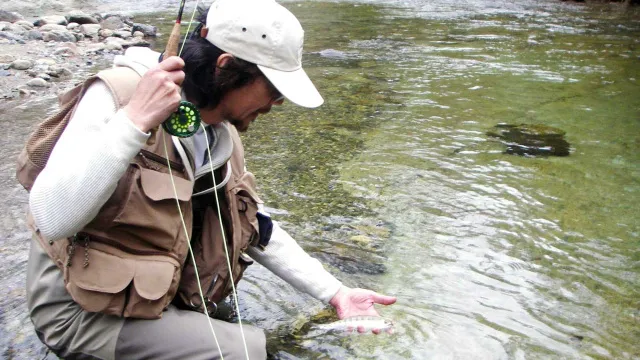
x=105, y=273
x=157, y=185
x=153, y=278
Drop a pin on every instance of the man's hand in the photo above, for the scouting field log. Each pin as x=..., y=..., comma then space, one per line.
x=157, y=95
x=359, y=302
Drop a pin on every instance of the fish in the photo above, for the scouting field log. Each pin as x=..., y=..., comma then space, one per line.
x=357, y=323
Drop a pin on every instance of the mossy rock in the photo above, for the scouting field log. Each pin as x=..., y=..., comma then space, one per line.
x=531, y=139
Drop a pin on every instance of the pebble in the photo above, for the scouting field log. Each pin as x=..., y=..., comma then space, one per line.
x=73, y=25
x=38, y=82
x=6, y=58
x=21, y=64
x=34, y=35
x=44, y=76
x=55, y=35
x=80, y=17
x=24, y=24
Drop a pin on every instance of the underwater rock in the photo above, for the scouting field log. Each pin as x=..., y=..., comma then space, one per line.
x=351, y=264
x=531, y=139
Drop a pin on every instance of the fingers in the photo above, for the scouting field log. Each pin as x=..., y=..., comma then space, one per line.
x=383, y=299
x=171, y=63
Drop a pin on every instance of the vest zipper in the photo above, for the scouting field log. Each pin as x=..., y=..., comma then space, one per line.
x=125, y=248
x=148, y=155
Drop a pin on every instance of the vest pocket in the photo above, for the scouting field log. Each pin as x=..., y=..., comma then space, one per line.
x=150, y=207
x=139, y=287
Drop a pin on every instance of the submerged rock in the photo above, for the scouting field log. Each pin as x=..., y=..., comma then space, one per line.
x=531, y=139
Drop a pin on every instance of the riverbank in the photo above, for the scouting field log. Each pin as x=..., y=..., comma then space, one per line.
x=49, y=54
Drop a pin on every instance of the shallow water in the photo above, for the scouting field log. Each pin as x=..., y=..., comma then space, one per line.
x=394, y=185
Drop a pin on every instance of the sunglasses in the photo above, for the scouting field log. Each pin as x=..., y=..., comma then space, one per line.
x=275, y=94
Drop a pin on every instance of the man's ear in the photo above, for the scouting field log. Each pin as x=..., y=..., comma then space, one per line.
x=203, y=32
x=223, y=60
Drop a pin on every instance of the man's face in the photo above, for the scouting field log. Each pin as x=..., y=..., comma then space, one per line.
x=243, y=105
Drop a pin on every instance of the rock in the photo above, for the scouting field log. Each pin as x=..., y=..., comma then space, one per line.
x=6, y=58
x=38, y=82
x=58, y=71
x=112, y=45
x=44, y=76
x=105, y=33
x=90, y=30
x=79, y=36
x=34, y=35
x=61, y=36
x=80, y=17
x=51, y=27
x=4, y=25
x=147, y=30
x=10, y=16
x=24, y=24
x=72, y=26
x=68, y=48
x=21, y=64
x=10, y=37
x=52, y=19
x=5, y=73
x=136, y=42
x=113, y=22
x=531, y=139
x=45, y=62
x=122, y=34
x=92, y=48
x=16, y=29
x=138, y=34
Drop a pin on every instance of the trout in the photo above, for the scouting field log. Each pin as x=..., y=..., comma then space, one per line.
x=356, y=323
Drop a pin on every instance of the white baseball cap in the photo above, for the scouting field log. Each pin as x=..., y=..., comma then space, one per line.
x=264, y=33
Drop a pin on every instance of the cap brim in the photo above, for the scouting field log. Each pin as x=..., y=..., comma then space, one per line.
x=295, y=86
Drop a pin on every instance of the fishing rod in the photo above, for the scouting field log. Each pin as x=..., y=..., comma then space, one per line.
x=185, y=121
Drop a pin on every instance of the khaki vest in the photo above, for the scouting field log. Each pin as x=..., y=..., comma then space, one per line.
x=132, y=259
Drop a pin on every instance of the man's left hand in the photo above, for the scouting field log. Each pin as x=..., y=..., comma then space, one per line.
x=359, y=302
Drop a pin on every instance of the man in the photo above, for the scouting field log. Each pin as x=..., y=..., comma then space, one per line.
x=117, y=205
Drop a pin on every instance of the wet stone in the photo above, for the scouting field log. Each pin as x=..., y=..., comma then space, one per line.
x=531, y=139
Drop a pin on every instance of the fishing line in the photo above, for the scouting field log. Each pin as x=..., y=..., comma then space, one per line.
x=184, y=226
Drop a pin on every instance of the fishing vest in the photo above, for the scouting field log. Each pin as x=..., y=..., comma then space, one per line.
x=131, y=260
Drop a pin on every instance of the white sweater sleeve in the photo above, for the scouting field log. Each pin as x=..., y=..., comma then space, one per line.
x=285, y=258
x=85, y=165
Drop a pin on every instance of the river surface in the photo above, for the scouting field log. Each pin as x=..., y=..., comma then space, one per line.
x=394, y=185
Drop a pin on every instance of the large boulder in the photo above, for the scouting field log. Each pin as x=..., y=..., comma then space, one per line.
x=10, y=16
x=80, y=17
x=52, y=19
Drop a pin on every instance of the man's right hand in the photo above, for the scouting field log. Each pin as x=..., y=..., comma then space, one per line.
x=157, y=95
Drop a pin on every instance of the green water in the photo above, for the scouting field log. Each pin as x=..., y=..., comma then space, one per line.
x=394, y=184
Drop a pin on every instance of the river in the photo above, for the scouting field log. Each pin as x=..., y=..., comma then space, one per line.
x=394, y=185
